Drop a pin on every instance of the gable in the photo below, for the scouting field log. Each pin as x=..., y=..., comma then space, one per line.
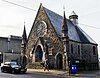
x=51, y=31
x=42, y=17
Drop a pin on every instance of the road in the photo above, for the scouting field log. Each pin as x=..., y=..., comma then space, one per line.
x=34, y=75
x=44, y=75
x=27, y=75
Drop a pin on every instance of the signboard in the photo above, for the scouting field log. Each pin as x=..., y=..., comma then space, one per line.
x=77, y=61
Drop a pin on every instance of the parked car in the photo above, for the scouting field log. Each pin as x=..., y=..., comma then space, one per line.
x=12, y=67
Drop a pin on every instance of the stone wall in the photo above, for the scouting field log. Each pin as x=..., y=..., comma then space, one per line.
x=75, y=54
x=15, y=45
x=87, y=60
x=3, y=44
x=87, y=53
x=9, y=44
x=7, y=57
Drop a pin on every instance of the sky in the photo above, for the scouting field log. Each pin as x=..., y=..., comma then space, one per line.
x=12, y=17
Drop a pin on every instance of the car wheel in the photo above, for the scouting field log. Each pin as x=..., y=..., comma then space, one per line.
x=24, y=72
x=12, y=71
x=2, y=70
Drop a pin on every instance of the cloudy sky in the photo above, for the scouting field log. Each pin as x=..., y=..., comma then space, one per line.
x=12, y=17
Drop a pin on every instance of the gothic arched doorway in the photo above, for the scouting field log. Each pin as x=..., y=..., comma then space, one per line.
x=24, y=61
x=59, y=61
x=38, y=54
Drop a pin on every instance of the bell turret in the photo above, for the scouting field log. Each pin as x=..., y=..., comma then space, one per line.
x=74, y=18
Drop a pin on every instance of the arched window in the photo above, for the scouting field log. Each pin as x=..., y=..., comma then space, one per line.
x=78, y=49
x=72, y=48
x=94, y=51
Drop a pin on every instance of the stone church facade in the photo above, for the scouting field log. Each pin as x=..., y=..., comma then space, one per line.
x=61, y=41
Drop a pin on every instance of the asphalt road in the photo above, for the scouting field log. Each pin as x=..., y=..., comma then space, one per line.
x=40, y=75
x=26, y=75
x=35, y=75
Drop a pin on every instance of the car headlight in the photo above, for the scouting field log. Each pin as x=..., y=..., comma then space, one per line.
x=17, y=68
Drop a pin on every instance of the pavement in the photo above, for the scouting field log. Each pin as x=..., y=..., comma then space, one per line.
x=64, y=74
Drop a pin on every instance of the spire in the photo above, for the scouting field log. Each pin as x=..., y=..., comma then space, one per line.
x=40, y=4
x=24, y=36
x=73, y=13
x=23, y=48
x=64, y=25
x=65, y=40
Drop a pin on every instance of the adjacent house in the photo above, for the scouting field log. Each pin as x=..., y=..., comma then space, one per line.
x=10, y=48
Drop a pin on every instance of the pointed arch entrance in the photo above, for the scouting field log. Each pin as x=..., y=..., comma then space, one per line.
x=59, y=61
x=24, y=61
x=38, y=54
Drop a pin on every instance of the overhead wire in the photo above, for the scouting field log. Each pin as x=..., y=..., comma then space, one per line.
x=36, y=10
x=89, y=26
x=19, y=5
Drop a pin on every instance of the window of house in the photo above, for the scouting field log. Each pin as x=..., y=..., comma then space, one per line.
x=94, y=51
x=78, y=49
x=72, y=48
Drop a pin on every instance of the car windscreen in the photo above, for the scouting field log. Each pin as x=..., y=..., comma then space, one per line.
x=13, y=63
x=10, y=63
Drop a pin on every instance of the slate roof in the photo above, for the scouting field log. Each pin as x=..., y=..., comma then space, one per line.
x=75, y=33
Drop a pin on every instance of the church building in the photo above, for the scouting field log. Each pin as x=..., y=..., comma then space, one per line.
x=61, y=41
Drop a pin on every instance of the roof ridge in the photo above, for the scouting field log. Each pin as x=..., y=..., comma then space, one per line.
x=52, y=11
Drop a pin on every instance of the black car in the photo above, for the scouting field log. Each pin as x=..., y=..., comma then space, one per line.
x=12, y=67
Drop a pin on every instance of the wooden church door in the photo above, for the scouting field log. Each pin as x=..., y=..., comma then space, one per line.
x=59, y=61
x=38, y=54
